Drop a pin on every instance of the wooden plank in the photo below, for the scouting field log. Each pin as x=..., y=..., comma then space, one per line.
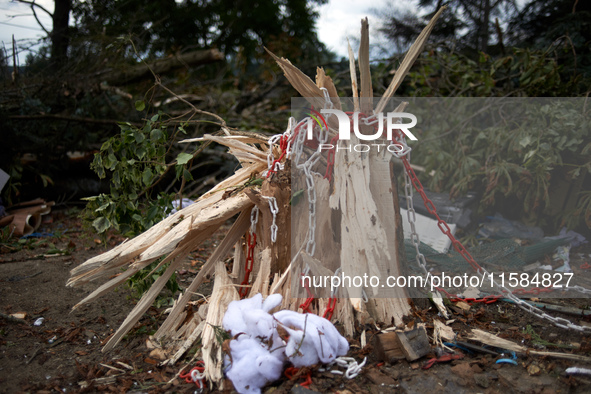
x=414, y=343
x=354, y=87
x=366, y=93
x=388, y=348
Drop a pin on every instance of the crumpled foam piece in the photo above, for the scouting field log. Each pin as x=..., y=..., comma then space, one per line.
x=252, y=365
x=234, y=317
x=258, y=353
x=321, y=342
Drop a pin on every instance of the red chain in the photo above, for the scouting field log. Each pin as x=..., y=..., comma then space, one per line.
x=200, y=367
x=332, y=302
x=533, y=290
x=291, y=372
x=330, y=158
x=283, y=146
x=489, y=299
x=251, y=242
x=306, y=305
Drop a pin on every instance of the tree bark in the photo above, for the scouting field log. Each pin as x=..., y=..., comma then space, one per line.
x=60, y=39
x=484, y=28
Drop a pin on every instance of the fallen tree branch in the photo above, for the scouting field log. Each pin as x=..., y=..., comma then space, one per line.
x=160, y=66
x=12, y=319
x=70, y=118
x=493, y=340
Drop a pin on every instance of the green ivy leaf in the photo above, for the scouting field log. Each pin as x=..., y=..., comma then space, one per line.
x=183, y=158
x=140, y=105
x=103, y=207
x=525, y=141
x=140, y=152
x=155, y=135
x=101, y=224
x=147, y=176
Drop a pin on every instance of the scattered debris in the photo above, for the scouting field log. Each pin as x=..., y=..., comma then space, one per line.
x=456, y=211
x=577, y=370
x=562, y=253
x=441, y=333
x=443, y=359
x=463, y=305
x=498, y=227
x=533, y=370
x=19, y=315
x=25, y=218
x=474, y=348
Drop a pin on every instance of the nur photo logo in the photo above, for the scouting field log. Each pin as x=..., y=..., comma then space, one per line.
x=349, y=124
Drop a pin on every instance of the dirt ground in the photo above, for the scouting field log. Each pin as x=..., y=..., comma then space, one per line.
x=63, y=352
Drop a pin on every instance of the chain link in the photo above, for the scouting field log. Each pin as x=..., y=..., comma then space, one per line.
x=298, y=141
x=274, y=210
x=254, y=218
x=411, y=216
x=306, y=167
x=352, y=368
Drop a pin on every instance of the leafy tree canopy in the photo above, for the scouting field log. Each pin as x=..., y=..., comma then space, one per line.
x=473, y=24
x=561, y=24
x=161, y=27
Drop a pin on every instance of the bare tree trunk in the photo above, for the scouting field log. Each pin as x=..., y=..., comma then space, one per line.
x=60, y=39
x=484, y=28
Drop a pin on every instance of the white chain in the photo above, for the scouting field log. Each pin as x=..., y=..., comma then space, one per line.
x=274, y=210
x=254, y=218
x=307, y=169
x=411, y=215
x=197, y=376
x=349, y=363
x=557, y=321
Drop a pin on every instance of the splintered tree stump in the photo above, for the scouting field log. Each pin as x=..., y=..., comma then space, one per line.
x=354, y=225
